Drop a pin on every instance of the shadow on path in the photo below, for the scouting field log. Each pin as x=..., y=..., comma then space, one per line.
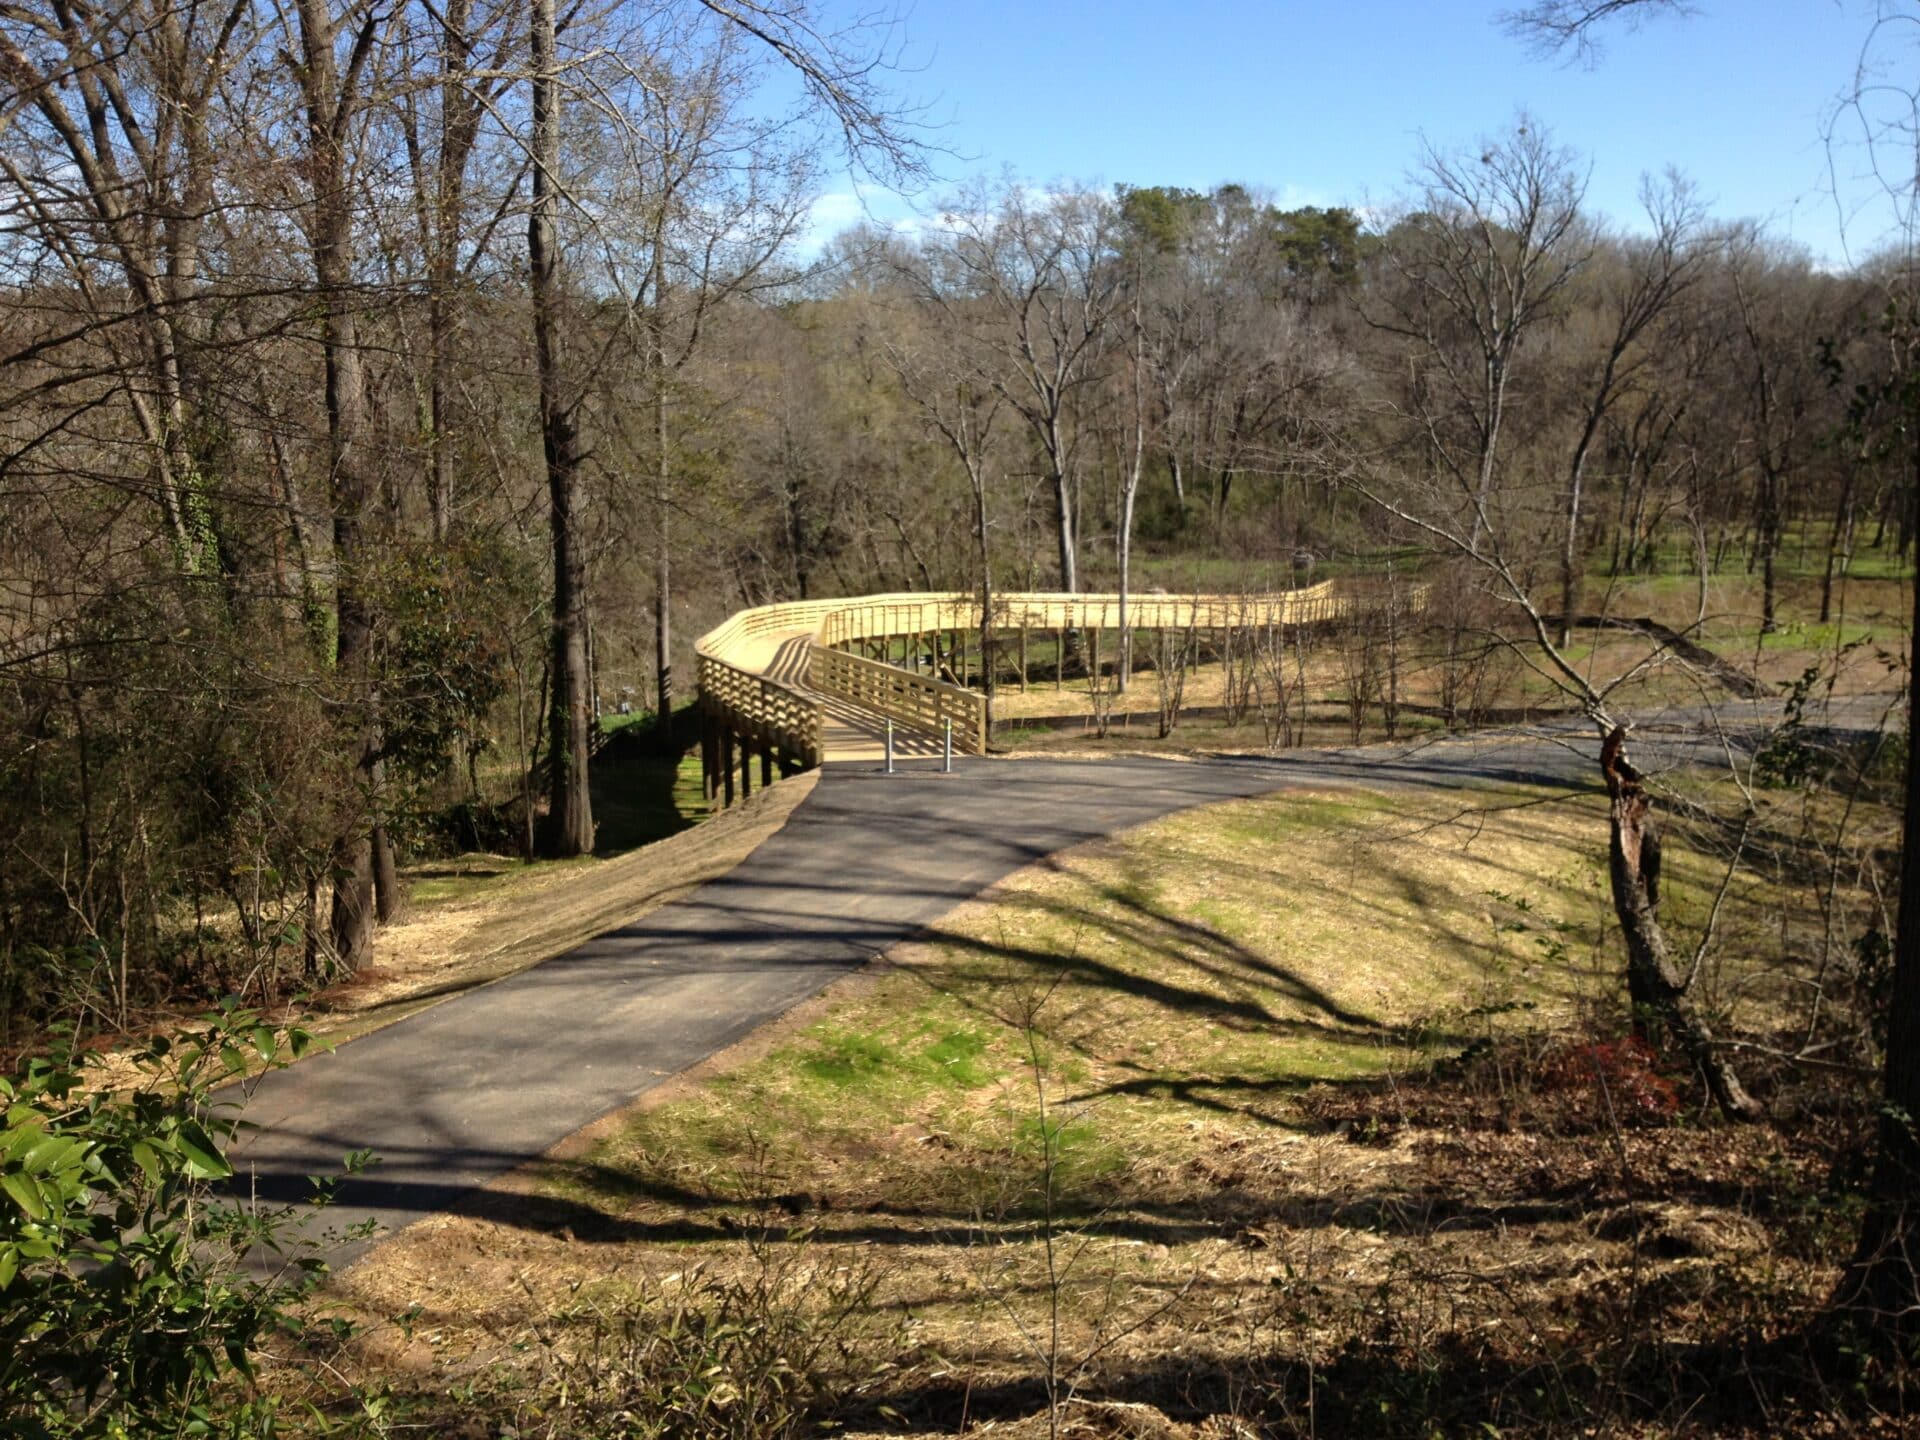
x=469, y=1089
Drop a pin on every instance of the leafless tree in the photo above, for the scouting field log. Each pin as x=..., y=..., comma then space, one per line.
x=1509, y=242
x=1041, y=267
x=569, y=726
x=963, y=412
x=1657, y=273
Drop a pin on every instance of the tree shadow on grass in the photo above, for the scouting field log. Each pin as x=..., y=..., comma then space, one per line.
x=1453, y=1384
x=634, y=782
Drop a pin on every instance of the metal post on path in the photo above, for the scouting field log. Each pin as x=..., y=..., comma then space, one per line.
x=889, y=747
x=946, y=751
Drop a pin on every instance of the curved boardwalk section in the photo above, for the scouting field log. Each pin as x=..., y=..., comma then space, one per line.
x=794, y=685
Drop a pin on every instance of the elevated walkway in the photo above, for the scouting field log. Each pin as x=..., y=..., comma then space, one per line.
x=787, y=685
x=848, y=730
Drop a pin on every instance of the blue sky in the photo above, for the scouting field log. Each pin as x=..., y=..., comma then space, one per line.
x=1326, y=103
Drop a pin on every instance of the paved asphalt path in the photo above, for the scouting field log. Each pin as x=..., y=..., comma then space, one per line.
x=456, y=1096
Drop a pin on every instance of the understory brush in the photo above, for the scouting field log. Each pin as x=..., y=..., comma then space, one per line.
x=127, y=1308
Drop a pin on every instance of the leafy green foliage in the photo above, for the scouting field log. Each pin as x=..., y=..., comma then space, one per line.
x=444, y=663
x=1788, y=759
x=123, y=1308
x=1166, y=220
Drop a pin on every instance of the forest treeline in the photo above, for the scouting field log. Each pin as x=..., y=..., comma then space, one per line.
x=386, y=392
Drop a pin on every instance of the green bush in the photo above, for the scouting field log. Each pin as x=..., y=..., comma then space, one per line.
x=124, y=1308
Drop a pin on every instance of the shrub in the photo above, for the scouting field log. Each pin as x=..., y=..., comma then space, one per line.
x=1615, y=1079
x=123, y=1303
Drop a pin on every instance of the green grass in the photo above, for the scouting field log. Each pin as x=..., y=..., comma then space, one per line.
x=849, y=1060
x=459, y=879
x=1208, y=966
x=643, y=791
x=1813, y=635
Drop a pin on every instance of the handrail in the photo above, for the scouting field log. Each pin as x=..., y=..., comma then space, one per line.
x=912, y=700
x=787, y=719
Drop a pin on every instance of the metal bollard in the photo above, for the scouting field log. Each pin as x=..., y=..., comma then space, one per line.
x=889, y=747
x=946, y=757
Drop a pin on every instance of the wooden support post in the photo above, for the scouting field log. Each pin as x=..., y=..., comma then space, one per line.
x=1093, y=665
x=1059, y=659
x=746, y=769
x=1023, y=659
x=766, y=766
x=961, y=636
x=726, y=765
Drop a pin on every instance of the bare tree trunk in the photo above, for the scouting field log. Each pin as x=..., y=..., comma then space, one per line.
x=1840, y=541
x=1882, y=1282
x=1129, y=490
x=386, y=874
x=460, y=112
x=569, y=829
x=663, y=535
x=330, y=234
x=1064, y=518
x=987, y=677
x=1768, y=539
x=1570, y=559
x=387, y=894
x=1654, y=982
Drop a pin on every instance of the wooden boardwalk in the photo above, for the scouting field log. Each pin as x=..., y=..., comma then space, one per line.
x=847, y=731
x=798, y=684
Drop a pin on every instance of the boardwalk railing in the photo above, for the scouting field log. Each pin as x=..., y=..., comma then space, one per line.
x=871, y=617
x=909, y=699
x=781, y=720
x=763, y=712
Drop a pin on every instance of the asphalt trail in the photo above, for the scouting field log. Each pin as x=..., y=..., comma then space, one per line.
x=458, y=1095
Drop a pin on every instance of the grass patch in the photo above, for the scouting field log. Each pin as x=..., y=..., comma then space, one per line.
x=1084, y=1123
